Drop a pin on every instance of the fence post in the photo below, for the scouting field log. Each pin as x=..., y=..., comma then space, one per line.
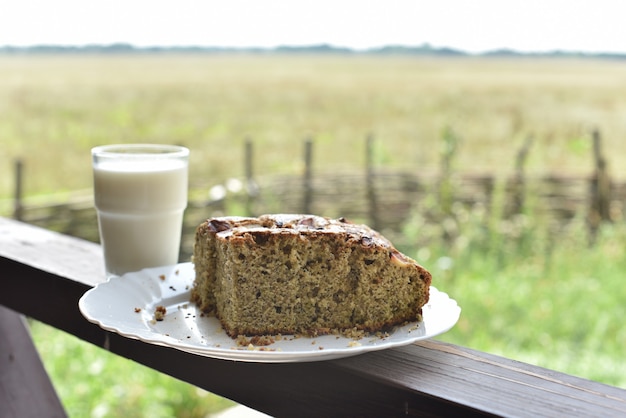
x=446, y=187
x=248, y=159
x=519, y=179
x=18, y=206
x=600, y=186
x=252, y=189
x=307, y=187
x=369, y=182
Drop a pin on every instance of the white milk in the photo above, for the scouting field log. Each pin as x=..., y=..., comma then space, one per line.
x=140, y=208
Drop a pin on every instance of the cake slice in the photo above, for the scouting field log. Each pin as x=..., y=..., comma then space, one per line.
x=303, y=274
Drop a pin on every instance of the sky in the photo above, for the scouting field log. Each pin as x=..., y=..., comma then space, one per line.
x=470, y=25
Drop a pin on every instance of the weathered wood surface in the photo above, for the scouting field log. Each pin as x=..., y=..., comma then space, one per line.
x=25, y=388
x=43, y=274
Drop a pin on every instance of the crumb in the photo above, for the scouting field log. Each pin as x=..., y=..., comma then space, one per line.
x=242, y=341
x=177, y=271
x=159, y=313
x=313, y=342
x=172, y=288
x=262, y=340
x=320, y=348
x=354, y=333
x=257, y=340
x=354, y=344
x=252, y=347
x=162, y=277
x=137, y=310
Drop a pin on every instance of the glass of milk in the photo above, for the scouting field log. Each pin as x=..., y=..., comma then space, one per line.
x=140, y=193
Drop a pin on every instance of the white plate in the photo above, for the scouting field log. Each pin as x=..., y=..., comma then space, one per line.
x=126, y=305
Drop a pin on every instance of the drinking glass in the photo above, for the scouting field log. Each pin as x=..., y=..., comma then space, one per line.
x=140, y=193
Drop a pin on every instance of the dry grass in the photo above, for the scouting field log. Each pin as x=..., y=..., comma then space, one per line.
x=55, y=108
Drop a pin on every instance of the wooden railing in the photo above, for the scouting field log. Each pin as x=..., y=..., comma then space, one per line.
x=43, y=274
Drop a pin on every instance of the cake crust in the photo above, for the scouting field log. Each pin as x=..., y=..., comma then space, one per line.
x=303, y=274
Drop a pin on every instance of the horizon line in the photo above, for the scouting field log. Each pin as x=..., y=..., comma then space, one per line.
x=424, y=48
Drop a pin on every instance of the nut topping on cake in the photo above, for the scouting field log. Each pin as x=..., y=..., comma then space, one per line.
x=217, y=225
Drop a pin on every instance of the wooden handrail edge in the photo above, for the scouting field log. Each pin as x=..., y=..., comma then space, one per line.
x=43, y=274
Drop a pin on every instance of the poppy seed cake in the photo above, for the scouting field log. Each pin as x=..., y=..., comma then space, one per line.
x=303, y=274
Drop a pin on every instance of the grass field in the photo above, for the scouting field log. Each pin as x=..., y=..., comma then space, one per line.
x=527, y=292
x=67, y=104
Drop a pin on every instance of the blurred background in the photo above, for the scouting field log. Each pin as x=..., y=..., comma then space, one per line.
x=485, y=139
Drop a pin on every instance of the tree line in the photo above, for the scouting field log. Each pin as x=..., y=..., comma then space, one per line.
x=421, y=50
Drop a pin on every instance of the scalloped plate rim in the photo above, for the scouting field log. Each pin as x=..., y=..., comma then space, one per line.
x=170, y=285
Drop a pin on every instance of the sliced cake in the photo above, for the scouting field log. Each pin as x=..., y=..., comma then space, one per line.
x=303, y=274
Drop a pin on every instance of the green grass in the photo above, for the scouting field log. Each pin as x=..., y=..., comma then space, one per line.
x=92, y=382
x=527, y=291
x=531, y=293
x=564, y=313
x=557, y=303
